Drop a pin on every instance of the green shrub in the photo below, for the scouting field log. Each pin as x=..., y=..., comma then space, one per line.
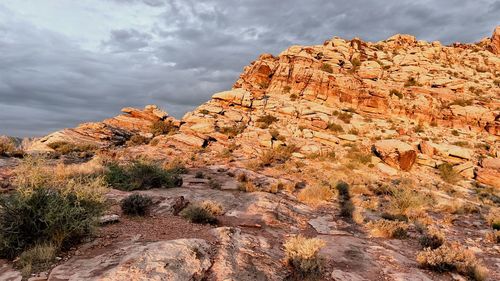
x=327, y=68
x=161, y=127
x=302, y=254
x=448, y=174
x=136, y=205
x=140, y=175
x=44, y=216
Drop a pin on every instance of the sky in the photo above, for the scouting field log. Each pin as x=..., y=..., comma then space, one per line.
x=64, y=62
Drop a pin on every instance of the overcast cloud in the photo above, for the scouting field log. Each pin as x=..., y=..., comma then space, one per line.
x=64, y=62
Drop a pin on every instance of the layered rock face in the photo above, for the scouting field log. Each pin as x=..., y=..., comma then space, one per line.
x=435, y=103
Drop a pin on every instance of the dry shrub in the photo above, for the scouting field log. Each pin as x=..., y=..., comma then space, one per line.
x=493, y=236
x=459, y=207
x=452, y=257
x=6, y=146
x=388, y=229
x=432, y=238
x=278, y=155
x=493, y=218
x=448, y=174
x=302, y=255
x=202, y=212
x=405, y=201
x=215, y=208
x=247, y=186
x=161, y=127
x=314, y=195
x=37, y=259
x=137, y=140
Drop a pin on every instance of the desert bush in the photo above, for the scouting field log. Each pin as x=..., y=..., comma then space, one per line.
x=431, y=238
x=45, y=216
x=315, y=194
x=452, y=257
x=214, y=184
x=266, y=120
x=293, y=97
x=7, y=147
x=215, y=208
x=455, y=133
x=247, y=186
x=448, y=174
x=66, y=148
x=36, y=259
x=405, y=201
x=462, y=102
x=493, y=236
x=388, y=229
x=136, y=205
x=140, y=175
x=356, y=155
x=176, y=166
x=493, y=218
x=277, y=155
x=232, y=131
x=200, y=213
x=327, y=68
x=335, y=127
x=161, y=127
x=137, y=140
x=302, y=254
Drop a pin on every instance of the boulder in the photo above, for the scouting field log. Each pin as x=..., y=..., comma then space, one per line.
x=189, y=139
x=369, y=70
x=491, y=163
x=488, y=176
x=174, y=260
x=396, y=153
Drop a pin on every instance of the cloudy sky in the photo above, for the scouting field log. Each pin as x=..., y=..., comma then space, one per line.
x=63, y=62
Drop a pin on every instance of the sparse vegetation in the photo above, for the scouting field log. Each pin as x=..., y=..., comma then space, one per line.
x=335, y=127
x=137, y=140
x=461, y=102
x=448, y=174
x=266, y=120
x=36, y=259
x=327, y=68
x=7, y=147
x=315, y=195
x=140, y=175
x=66, y=148
x=452, y=257
x=233, y=131
x=302, y=254
x=136, y=205
x=407, y=202
x=161, y=127
x=388, y=229
x=204, y=212
x=432, y=239
x=276, y=156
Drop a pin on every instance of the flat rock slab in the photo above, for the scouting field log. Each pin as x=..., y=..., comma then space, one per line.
x=7, y=273
x=326, y=225
x=174, y=260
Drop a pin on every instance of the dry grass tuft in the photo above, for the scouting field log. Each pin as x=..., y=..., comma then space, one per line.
x=453, y=257
x=302, y=255
x=36, y=259
x=388, y=229
x=315, y=195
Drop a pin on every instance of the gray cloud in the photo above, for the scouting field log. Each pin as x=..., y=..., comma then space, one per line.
x=193, y=49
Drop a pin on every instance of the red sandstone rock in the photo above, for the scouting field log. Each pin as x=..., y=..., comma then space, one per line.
x=396, y=153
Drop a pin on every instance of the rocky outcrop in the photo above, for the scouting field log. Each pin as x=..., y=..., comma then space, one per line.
x=489, y=172
x=113, y=131
x=494, y=46
x=396, y=153
x=176, y=260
